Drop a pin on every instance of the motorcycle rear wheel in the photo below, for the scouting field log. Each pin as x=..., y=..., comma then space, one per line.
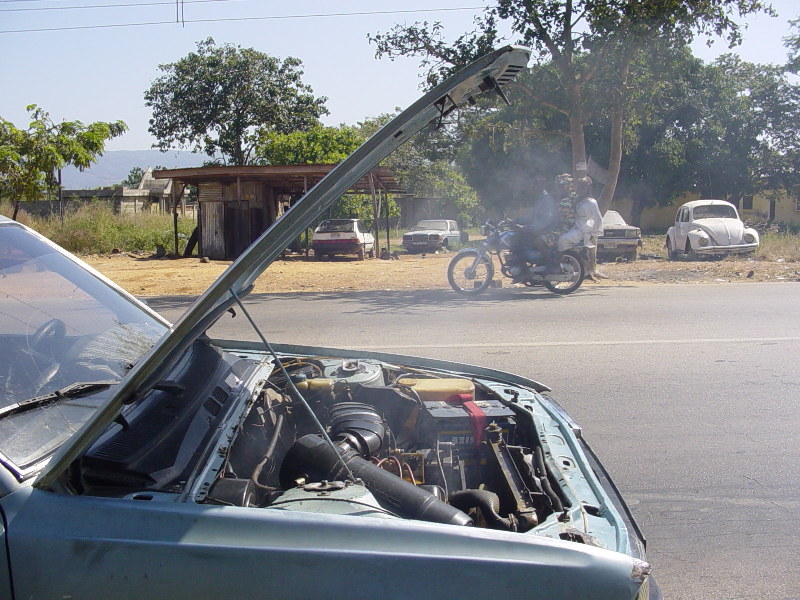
x=466, y=281
x=570, y=263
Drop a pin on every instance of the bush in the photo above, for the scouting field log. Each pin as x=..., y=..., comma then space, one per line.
x=96, y=229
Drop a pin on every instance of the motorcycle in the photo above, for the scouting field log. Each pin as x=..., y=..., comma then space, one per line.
x=472, y=270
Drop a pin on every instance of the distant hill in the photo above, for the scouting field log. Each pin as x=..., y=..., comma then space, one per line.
x=114, y=166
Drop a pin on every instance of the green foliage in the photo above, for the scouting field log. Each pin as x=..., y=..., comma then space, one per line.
x=425, y=166
x=318, y=145
x=216, y=100
x=792, y=43
x=583, y=40
x=96, y=229
x=136, y=175
x=31, y=158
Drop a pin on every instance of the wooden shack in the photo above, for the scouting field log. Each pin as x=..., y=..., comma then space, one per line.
x=237, y=204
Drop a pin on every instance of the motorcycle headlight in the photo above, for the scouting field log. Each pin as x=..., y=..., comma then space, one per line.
x=703, y=241
x=749, y=238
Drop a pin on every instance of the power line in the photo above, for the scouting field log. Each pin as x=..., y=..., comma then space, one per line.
x=231, y=19
x=167, y=2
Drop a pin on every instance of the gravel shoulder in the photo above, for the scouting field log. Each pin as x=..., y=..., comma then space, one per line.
x=148, y=276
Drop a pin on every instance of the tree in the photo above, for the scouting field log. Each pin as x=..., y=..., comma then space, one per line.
x=31, y=158
x=582, y=38
x=136, y=175
x=792, y=43
x=318, y=145
x=424, y=166
x=216, y=100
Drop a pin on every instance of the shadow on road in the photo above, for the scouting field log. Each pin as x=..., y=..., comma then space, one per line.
x=394, y=300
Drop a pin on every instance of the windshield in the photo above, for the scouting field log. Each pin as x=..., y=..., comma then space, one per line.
x=612, y=217
x=335, y=226
x=440, y=225
x=58, y=325
x=715, y=211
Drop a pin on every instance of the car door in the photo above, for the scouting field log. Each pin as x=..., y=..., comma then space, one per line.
x=5, y=576
x=453, y=235
x=682, y=227
x=369, y=239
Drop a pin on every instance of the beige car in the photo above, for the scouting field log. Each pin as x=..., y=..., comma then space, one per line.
x=618, y=238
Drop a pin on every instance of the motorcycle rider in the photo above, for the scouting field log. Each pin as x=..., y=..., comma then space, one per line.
x=587, y=225
x=538, y=221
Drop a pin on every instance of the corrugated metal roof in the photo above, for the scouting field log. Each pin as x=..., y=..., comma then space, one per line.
x=284, y=179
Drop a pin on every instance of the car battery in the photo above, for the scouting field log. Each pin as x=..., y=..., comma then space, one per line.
x=462, y=421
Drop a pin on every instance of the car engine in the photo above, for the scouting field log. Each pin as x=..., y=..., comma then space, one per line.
x=397, y=443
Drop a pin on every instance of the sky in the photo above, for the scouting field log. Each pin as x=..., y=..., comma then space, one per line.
x=79, y=63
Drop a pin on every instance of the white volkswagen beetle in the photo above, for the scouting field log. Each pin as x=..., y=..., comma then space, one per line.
x=709, y=228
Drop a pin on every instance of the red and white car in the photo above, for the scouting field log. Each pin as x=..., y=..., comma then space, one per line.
x=342, y=236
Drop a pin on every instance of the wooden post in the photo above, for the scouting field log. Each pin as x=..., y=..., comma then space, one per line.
x=376, y=225
x=175, y=218
x=305, y=191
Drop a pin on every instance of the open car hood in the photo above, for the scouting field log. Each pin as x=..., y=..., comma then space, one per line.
x=488, y=73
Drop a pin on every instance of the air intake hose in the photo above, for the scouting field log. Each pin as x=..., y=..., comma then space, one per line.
x=359, y=426
x=313, y=459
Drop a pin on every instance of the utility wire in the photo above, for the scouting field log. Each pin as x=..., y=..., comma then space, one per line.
x=168, y=3
x=231, y=19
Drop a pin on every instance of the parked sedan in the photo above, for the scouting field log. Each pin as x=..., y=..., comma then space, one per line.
x=709, y=228
x=618, y=238
x=431, y=235
x=140, y=459
x=342, y=236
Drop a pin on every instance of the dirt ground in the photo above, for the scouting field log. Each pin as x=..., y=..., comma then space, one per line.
x=148, y=276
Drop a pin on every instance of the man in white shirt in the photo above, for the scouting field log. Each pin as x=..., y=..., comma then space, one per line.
x=588, y=225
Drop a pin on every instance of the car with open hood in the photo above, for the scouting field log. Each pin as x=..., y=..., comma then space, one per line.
x=145, y=459
x=709, y=228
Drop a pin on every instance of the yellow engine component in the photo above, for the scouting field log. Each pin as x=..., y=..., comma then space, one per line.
x=315, y=385
x=437, y=390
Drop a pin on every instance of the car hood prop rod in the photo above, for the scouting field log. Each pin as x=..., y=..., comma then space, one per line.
x=295, y=392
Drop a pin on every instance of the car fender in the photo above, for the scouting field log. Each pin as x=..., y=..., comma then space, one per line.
x=671, y=236
x=695, y=235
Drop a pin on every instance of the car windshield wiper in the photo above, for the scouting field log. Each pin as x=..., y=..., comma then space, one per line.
x=74, y=390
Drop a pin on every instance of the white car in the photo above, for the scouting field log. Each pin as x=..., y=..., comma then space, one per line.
x=431, y=235
x=343, y=236
x=618, y=238
x=709, y=228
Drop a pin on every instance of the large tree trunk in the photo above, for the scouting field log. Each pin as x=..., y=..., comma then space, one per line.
x=576, y=134
x=617, y=122
x=614, y=160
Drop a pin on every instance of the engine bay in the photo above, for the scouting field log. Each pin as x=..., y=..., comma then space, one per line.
x=397, y=443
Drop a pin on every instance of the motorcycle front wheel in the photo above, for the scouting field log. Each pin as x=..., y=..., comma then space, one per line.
x=573, y=266
x=468, y=278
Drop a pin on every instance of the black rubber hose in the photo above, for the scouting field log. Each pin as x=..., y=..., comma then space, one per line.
x=545, y=481
x=313, y=459
x=485, y=501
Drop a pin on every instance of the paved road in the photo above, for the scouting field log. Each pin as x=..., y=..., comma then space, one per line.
x=689, y=393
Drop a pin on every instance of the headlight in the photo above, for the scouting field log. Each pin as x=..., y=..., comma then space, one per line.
x=749, y=238
x=703, y=241
x=436, y=237
x=632, y=233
